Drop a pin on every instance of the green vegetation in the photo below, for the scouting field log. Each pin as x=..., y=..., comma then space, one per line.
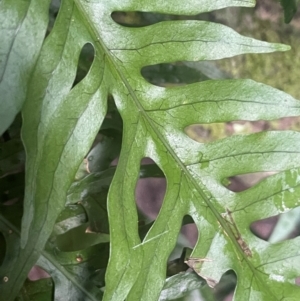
x=99, y=95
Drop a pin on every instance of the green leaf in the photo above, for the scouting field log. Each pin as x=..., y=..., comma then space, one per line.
x=287, y=223
x=180, y=285
x=61, y=121
x=290, y=8
x=39, y=290
x=22, y=26
x=78, y=238
x=63, y=266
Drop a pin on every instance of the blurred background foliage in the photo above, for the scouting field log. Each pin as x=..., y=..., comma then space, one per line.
x=266, y=22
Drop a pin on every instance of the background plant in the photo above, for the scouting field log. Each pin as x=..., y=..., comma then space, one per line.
x=62, y=116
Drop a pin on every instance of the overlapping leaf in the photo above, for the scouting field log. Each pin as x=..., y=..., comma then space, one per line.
x=75, y=275
x=290, y=9
x=22, y=26
x=61, y=121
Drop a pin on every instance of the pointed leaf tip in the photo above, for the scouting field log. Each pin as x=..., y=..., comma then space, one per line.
x=282, y=47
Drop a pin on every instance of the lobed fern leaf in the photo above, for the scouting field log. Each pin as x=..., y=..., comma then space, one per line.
x=61, y=121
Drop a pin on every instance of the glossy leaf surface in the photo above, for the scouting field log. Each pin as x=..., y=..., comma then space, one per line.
x=22, y=27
